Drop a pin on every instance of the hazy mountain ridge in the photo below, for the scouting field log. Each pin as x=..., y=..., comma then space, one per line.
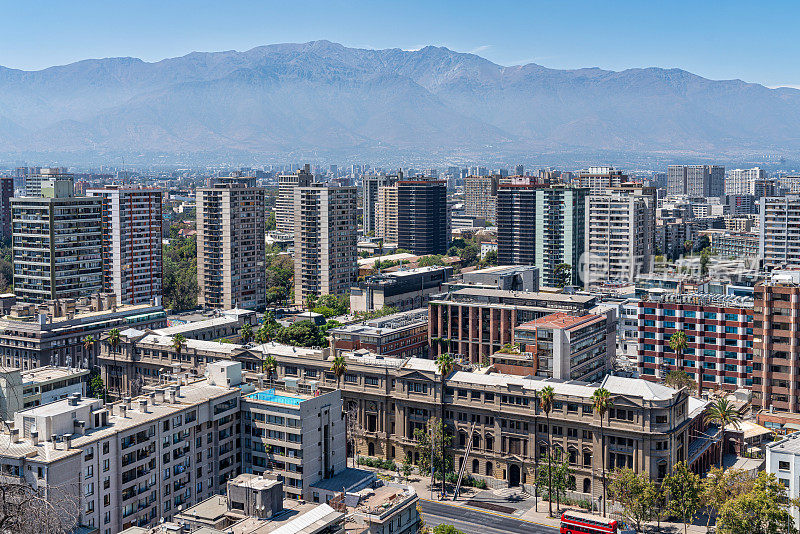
x=323, y=96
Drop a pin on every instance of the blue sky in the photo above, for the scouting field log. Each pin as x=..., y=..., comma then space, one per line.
x=753, y=41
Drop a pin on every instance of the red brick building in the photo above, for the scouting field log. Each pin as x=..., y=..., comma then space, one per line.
x=719, y=331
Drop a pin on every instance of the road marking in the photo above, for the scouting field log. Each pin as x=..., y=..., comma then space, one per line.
x=479, y=510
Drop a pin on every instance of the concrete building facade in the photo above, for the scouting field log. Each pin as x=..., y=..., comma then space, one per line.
x=325, y=241
x=284, y=209
x=131, y=224
x=57, y=240
x=230, y=246
x=480, y=196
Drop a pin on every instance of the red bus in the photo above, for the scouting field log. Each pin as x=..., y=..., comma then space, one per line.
x=574, y=523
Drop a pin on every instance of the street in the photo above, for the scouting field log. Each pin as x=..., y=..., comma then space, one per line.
x=472, y=521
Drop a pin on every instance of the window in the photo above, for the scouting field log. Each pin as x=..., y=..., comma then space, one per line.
x=783, y=466
x=373, y=381
x=89, y=489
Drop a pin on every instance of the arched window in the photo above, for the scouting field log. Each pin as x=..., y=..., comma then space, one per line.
x=587, y=458
x=489, y=443
x=476, y=466
x=476, y=441
x=462, y=439
x=587, y=485
x=370, y=449
x=489, y=469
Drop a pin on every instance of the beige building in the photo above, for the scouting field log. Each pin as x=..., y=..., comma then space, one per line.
x=619, y=237
x=130, y=463
x=480, y=196
x=325, y=241
x=386, y=214
x=230, y=245
x=284, y=207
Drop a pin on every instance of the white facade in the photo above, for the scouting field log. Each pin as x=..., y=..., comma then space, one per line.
x=740, y=181
x=783, y=461
x=779, y=231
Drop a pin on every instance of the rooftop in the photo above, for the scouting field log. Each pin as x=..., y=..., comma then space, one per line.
x=196, y=344
x=531, y=295
x=295, y=518
x=48, y=373
x=790, y=444
x=706, y=299
x=367, y=262
x=385, y=325
x=271, y=395
x=351, y=479
x=562, y=320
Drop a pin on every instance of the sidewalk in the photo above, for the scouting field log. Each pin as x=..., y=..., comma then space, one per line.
x=511, y=502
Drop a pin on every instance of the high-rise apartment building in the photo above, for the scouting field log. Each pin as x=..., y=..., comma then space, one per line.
x=779, y=231
x=423, y=225
x=230, y=245
x=284, y=208
x=620, y=237
x=371, y=191
x=719, y=333
x=775, y=354
x=696, y=180
x=520, y=170
x=57, y=244
x=541, y=226
x=131, y=222
x=6, y=194
x=599, y=179
x=480, y=196
x=325, y=241
x=739, y=181
x=790, y=183
x=36, y=175
x=386, y=214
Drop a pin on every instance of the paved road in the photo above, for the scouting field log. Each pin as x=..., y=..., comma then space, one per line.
x=473, y=521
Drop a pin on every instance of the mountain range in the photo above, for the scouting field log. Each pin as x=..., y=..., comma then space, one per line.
x=324, y=98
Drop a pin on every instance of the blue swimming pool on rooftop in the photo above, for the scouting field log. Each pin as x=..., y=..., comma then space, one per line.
x=271, y=396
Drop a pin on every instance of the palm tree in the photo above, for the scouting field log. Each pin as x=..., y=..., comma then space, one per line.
x=178, y=342
x=114, y=339
x=246, y=332
x=602, y=402
x=269, y=365
x=546, y=404
x=339, y=368
x=445, y=365
x=88, y=345
x=679, y=342
x=723, y=413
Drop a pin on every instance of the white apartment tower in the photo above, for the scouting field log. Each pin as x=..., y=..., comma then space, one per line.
x=230, y=245
x=131, y=224
x=284, y=209
x=779, y=231
x=325, y=239
x=741, y=181
x=619, y=237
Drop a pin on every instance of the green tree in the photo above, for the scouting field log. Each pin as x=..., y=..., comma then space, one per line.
x=180, y=273
x=114, y=341
x=246, y=332
x=685, y=494
x=88, y=347
x=339, y=368
x=679, y=379
x=762, y=510
x=301, y=334
x=563, y=274
x=270, y=224
x=719, y=487
x=96, y=387
x=723, y=413
x=178, y=342
x=556, y=477
x=432, y=260
x=268, y=365
x=407, y=467
x=444, y=364
x=637, y=495
x=602, y=402
x=546, y=396
x=489, y=259
x=678, y=342
x=446, y=529
x=425, y=441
